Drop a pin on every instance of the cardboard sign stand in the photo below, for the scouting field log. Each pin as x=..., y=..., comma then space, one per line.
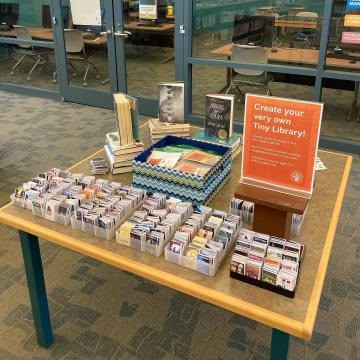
x=273, y=210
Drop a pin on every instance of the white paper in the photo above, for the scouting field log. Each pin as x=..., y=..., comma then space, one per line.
x=86, y=12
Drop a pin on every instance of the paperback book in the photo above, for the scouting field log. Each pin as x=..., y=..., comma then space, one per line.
x=126, y=118
x=171, y=102
x=219, y=110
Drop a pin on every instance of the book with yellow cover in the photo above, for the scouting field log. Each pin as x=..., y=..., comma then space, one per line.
x=126, y=118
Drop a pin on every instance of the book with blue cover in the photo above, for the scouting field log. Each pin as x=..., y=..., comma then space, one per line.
x=234, y=141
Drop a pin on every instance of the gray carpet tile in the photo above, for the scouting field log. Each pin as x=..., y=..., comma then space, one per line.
x=99, y=312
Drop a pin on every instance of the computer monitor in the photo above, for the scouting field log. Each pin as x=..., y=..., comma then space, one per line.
x=152, y=10
x=257, y=30
x=9, y=14
x=96, y=29
x=46, y=17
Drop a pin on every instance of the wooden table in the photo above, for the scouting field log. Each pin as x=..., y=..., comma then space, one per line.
x=295, y=23
x=286, y=316
x=137, y=26
x=48, y=35
x=299, y=57
x=293, y=56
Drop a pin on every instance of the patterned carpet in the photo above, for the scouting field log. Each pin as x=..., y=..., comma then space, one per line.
x=99, y=312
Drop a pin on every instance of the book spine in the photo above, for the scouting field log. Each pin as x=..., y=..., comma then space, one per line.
x=109, y=155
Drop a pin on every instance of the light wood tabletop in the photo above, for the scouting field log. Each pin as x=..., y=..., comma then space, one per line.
x=296, y=23
x=293, y=316
x=294, y=56
x=48, y=35
x=136, y=25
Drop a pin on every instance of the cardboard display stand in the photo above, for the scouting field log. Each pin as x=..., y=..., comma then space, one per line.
x=273, y=210
x=278, y=166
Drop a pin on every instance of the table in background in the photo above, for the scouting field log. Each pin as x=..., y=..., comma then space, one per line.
x=48, y=35
x=300, y=57
x=286, y=316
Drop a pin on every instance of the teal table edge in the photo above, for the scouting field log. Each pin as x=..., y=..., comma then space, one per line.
x=40, y=308
x=36, y=285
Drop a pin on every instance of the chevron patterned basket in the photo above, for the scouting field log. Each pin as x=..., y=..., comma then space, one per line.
x=194, y=188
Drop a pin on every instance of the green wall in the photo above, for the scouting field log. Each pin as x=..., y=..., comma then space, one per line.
x=30, y=11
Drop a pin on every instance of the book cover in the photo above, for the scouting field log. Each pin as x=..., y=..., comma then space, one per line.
x=171, y=102
x=219, y=111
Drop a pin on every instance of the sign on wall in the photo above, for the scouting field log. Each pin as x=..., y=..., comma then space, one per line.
x=86, y=12
x=280, y=143
x=352, y=20
x=353, y=4
x=350, y=37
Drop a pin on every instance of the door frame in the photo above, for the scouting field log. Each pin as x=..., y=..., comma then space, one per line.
x=116, y=60
x=79, y=94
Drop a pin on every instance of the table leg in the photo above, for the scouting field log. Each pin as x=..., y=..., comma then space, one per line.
x=36, y=284
x=228, y=78
x=279, y=345
x=354, y=102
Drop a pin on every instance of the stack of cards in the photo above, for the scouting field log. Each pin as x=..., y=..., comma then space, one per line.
x=99, y=166
x=201, y=243
x=54, y=185
x=95, y=206
x=107, y=206
x=243, y=208
x=150, y=228
x=269, y=259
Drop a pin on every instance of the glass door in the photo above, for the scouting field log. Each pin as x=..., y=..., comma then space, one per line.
x=86, y=51
x=145, y=37
x=130, y=47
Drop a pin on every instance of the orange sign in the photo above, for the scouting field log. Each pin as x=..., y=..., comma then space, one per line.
x=352, y=20
x=280, y=143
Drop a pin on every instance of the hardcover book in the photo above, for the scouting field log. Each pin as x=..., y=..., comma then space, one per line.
x=219, y=113
x=171, y=102
x=113, y=143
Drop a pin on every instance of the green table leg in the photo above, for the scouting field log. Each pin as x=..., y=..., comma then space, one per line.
x=279, y=345
x=36, y=284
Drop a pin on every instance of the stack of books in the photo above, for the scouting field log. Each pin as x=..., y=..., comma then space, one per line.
x=160, y=129
x=120, y=156
x=234, y=141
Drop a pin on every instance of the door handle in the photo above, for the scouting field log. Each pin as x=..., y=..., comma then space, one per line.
x=124, y=34
x=107, y=32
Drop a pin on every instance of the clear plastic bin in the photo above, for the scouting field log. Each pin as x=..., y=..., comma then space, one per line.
x=107, y=234
x=76, y=224
x=62, y=219
x=88, y=228
x=38, y=211
x=200, y=266
x=21, y=203
x=155, y=250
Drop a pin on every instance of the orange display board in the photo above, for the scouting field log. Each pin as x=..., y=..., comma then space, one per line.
x=280, y=143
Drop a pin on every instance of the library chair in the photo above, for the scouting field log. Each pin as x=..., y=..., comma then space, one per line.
x=39, y=55
x=307, y=36
x=249, y=77
x=75, y=51
x=295, y=10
